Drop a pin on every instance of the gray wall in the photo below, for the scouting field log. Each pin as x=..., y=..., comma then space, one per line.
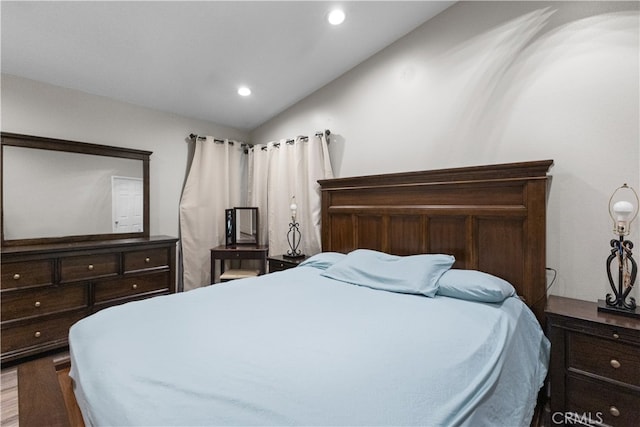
x=493, y=82
x=35, y=108
x=484, y=82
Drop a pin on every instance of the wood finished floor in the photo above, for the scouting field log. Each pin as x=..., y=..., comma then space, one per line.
x=9, y=397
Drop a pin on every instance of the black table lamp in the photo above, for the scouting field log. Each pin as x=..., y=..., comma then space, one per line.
x=623, y=213
x=293, y=235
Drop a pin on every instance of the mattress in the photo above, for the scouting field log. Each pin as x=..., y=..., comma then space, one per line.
x=298, y=348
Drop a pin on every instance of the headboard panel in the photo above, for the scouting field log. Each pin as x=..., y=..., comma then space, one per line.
x=491, y=218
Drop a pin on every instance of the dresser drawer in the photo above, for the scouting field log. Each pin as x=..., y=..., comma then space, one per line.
x=146, y=259
x=26, y=273
x=616, y=406
x=88, y=266
x=605, y=358
x=106, y=290
x=41, y=301
x=44, y=331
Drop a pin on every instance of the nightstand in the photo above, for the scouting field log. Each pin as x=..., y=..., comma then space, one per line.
x=594, y=371
x=281, y=262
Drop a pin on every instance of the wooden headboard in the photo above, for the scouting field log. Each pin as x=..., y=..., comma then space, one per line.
x=491, y=218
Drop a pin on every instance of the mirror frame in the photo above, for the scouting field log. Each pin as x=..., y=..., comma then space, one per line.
x=231, y=226
x=51, y=144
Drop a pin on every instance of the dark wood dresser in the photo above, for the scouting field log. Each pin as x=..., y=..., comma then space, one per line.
x=46, y=288
x=595, y=365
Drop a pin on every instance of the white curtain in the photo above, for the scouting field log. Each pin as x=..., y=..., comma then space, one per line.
x=215, y=182
x=278, y=172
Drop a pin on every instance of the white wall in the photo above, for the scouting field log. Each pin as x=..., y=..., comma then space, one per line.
x=494, y=82
x=34, y=108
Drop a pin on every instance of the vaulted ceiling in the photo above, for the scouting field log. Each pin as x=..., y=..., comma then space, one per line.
x=190, y=57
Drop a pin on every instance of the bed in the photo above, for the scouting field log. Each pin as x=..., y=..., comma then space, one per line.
x=424, y=308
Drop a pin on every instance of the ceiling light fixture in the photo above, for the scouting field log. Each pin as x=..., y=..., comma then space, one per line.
x=336, y=17
x=244, y=91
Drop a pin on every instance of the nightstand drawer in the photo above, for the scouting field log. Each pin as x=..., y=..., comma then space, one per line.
x=602, y=330
x=278, y=266
x=280, y=262
x=616, y=406
x=88, y=266
x=27, y=273
x=605, y=358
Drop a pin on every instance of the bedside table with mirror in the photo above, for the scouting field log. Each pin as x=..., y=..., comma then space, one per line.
x=241, y=243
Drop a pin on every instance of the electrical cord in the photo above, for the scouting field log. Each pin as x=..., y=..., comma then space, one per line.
x=555, y=274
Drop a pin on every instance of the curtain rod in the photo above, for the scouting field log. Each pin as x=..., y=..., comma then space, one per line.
x=326, y=133
x=218, y=141
x=319, y=133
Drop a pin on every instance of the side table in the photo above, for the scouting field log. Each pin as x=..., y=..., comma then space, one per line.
x=239, y=252
x=594, y=370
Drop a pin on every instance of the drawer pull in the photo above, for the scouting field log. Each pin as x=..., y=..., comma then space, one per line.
x=147, y=260
x=37, y=334
x=615, y=364
x=16, y=276
x=37, y=304
x=614, y=411
x=90, y=267
x=616, y=336
x=135, y=286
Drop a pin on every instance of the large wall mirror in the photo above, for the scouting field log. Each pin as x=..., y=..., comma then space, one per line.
x=65, y=191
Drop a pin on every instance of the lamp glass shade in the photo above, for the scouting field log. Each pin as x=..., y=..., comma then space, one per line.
x=622, y=210
x=294, y=208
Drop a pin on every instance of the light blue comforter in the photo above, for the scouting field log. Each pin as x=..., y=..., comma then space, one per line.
x=296, y=348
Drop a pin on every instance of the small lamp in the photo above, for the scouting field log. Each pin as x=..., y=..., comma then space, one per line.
x=623, y=213
x=293, y=235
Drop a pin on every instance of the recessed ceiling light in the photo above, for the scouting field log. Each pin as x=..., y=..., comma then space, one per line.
x=244, y=91
x=336, y=17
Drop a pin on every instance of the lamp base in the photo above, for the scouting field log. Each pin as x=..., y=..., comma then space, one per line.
x=603, y=307
x=294, y=256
